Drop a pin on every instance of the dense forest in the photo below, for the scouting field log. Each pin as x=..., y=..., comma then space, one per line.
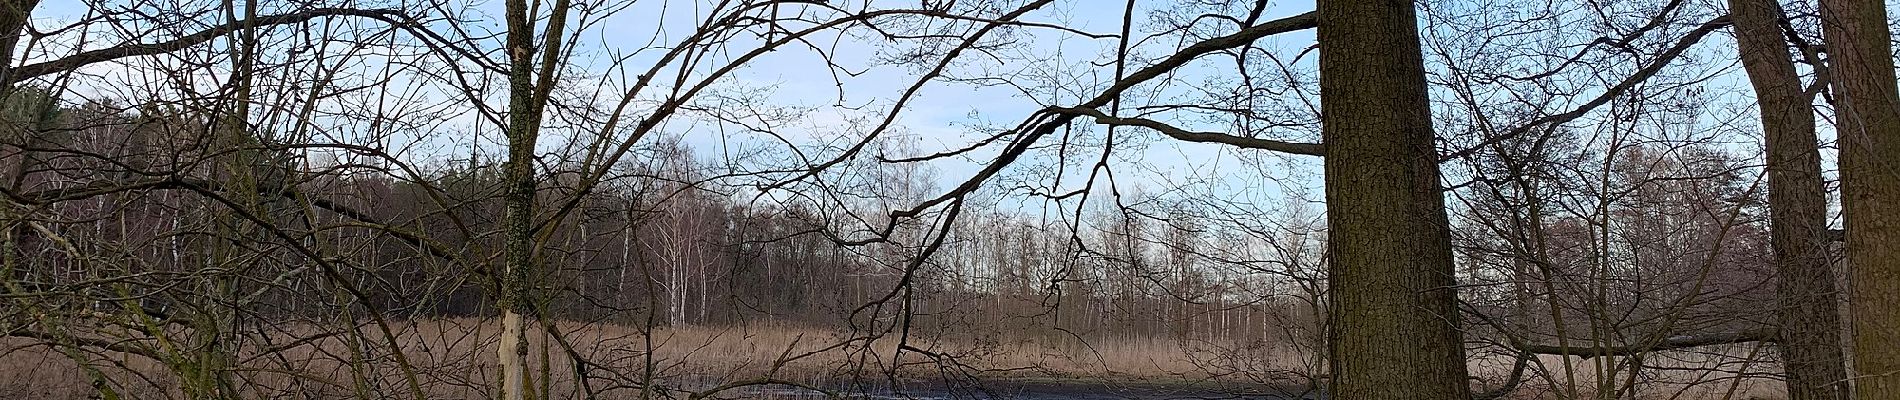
x=607, y=199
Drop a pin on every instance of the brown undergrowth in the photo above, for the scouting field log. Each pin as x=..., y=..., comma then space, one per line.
x=454, y=359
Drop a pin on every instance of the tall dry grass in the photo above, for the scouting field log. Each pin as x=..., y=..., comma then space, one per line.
x=1737, y=371
x=455, y=359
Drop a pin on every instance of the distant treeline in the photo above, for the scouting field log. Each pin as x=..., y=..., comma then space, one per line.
x=153, y=197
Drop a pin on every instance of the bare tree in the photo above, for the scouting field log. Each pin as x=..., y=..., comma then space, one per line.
x=1809, y=336
x=1867, y=117
x=271, y=199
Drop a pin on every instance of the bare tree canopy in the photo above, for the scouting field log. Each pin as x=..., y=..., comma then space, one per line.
x=1039, y=199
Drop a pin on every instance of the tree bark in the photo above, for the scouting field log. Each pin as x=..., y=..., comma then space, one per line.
x=1868, y=118
x=1810, y=322
x=14, y=16
x=518, y=199
x=530, y=83
x=1394, y=327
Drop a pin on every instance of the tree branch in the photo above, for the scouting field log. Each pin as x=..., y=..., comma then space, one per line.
x=51, y=340
x=1511, y=382
x=82, y=59
x=1311, y=149
x=1611, y=93
x=1046, y=121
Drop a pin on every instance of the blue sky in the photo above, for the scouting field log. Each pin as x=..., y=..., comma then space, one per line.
x=938, y=118
x=944, y=112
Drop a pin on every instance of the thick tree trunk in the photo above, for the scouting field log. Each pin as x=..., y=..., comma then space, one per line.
x=1810, y=322
x=1868, y=114
x=14, y=15
x=1394, y=327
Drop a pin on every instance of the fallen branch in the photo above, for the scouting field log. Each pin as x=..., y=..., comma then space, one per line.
x=1669, y=343
x=52, y=340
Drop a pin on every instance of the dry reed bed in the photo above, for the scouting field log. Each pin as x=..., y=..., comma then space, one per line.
x=455, y=359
